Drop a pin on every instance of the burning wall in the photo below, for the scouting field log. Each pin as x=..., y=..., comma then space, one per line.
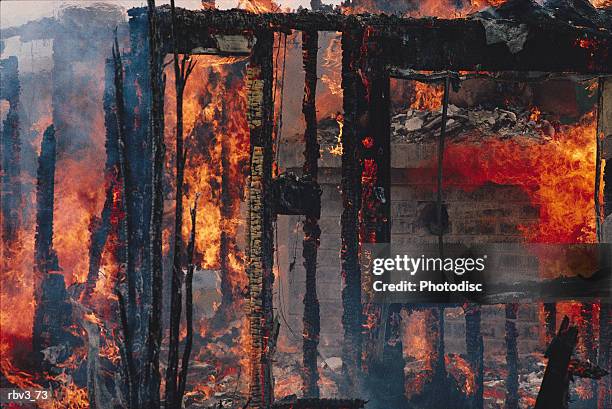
x=500, y=186
x=76, y=95
x=216, y=165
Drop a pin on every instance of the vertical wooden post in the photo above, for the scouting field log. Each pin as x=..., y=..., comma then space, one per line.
x=554, y=391
x=10, y=150
x=475, y=349
x=384, y=359
x=550, y=317
x=260, y=112
x=352, y=317
x=312, y=232
x=512, y=383
x=604, y=132
x=45, y=258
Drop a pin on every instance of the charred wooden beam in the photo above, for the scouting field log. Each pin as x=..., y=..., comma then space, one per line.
x=225, y=242
x=590, y=350
x=182, y=379
x=551, y=44
x=142, y=155
x=440, y=375
x=512, y=384
x=604, y=397
x=52, y=313
x=135, y=130
x=101, y=227
x=153, y=278
x=604, y=133
x=550, y=318
x=475, y=350
x=45, y=256
x=260, y=220
x=182, y=70
x=52, y=318
x=10, y=148
x=586, y=369
x=353, y=132
x=312, y=231
x=376, y=148
x=554, y=392
x=311, y=403
x=387, y=374
x=384, y=353
x=128, y=319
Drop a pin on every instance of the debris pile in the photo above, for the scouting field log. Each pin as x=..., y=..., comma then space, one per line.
x=415, y=126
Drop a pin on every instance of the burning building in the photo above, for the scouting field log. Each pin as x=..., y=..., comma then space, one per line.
x=183, y=226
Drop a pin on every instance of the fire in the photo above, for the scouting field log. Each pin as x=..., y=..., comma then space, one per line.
x=216, y=137
x=427, y=97
x=462, y=372
x=79, y=196
x=258, y=6
x=450, y=9
x=416, y=337
x=337, y=149
x=601, y=3
x=535, y=114
x=556, y=173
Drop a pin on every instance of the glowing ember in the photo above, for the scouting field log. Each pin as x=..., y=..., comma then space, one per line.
x=337, y=149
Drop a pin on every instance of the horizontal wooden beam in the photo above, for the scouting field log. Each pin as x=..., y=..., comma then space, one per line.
x=536, y=43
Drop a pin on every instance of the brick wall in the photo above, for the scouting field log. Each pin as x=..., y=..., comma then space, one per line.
x=478, y=214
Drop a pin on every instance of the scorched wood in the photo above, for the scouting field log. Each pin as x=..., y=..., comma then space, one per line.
x=551, y=44
x=182, y=69
x=354, y=109
x=512, y=382
x=100, y=227
x=604, y=116
x=260, y=246
x=10, y=149
x=554, y=392
x=475, y=349
x=45, y=256
x=153, y=278
x=312, y=231
x=384, y=352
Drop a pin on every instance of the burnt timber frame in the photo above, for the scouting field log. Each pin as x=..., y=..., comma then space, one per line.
x=423, y=44
x=10, y=150
x=420, y=44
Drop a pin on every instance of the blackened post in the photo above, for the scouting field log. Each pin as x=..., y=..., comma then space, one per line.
x=100, y=227
x=550, y=318
x=384, y=354
x=11, y=149
x=182, y=70
x=377, y=147
x=352, y=316
x=45, y=258
x=554, y=392
x=512, y=384
x=312, y=232
x=260, y=110
x=153, y=282
x=588, y=338
x=137, y=196
x=604, y=132
x=475, y=349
